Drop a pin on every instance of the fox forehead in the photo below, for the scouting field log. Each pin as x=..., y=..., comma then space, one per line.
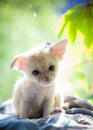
x=42, y=60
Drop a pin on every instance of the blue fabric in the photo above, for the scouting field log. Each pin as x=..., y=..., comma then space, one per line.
x=79, y=116
x=14, y=123
x=55, y=122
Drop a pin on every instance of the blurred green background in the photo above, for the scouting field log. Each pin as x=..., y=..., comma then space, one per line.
x=25, y=24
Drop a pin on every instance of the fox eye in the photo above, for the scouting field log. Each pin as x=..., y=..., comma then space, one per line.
x=35, y=72
x=52, y=67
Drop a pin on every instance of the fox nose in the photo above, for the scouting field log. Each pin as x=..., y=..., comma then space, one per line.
x=46, y=79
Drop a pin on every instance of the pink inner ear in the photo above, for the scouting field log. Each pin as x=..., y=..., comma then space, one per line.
x=58, y=52
x=19, y=63
x=59, y=48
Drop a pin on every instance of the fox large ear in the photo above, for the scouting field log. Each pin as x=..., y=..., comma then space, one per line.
x=19, y=63
x=59, y=48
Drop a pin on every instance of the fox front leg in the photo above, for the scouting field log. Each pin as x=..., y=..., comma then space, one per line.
x=24, y=110
x=48, y=107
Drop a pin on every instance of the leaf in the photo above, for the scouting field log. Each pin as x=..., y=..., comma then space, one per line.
x=78, y=19
x=68, y=16
x=72, y=30
x=63, y=22
x=86, y=25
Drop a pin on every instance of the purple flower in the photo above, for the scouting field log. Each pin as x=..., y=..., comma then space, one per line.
x=47, y=44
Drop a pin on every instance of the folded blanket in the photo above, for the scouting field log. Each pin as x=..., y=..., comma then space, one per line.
x=54, y=122
x=78, y=116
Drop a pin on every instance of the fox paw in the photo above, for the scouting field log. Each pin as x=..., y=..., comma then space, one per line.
x=57, y=110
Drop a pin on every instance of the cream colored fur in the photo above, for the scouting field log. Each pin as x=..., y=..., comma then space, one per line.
x=34, y=94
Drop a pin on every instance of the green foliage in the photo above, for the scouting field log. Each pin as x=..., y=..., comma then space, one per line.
x=82, y=82
x=78, y=19
x=77, y=25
